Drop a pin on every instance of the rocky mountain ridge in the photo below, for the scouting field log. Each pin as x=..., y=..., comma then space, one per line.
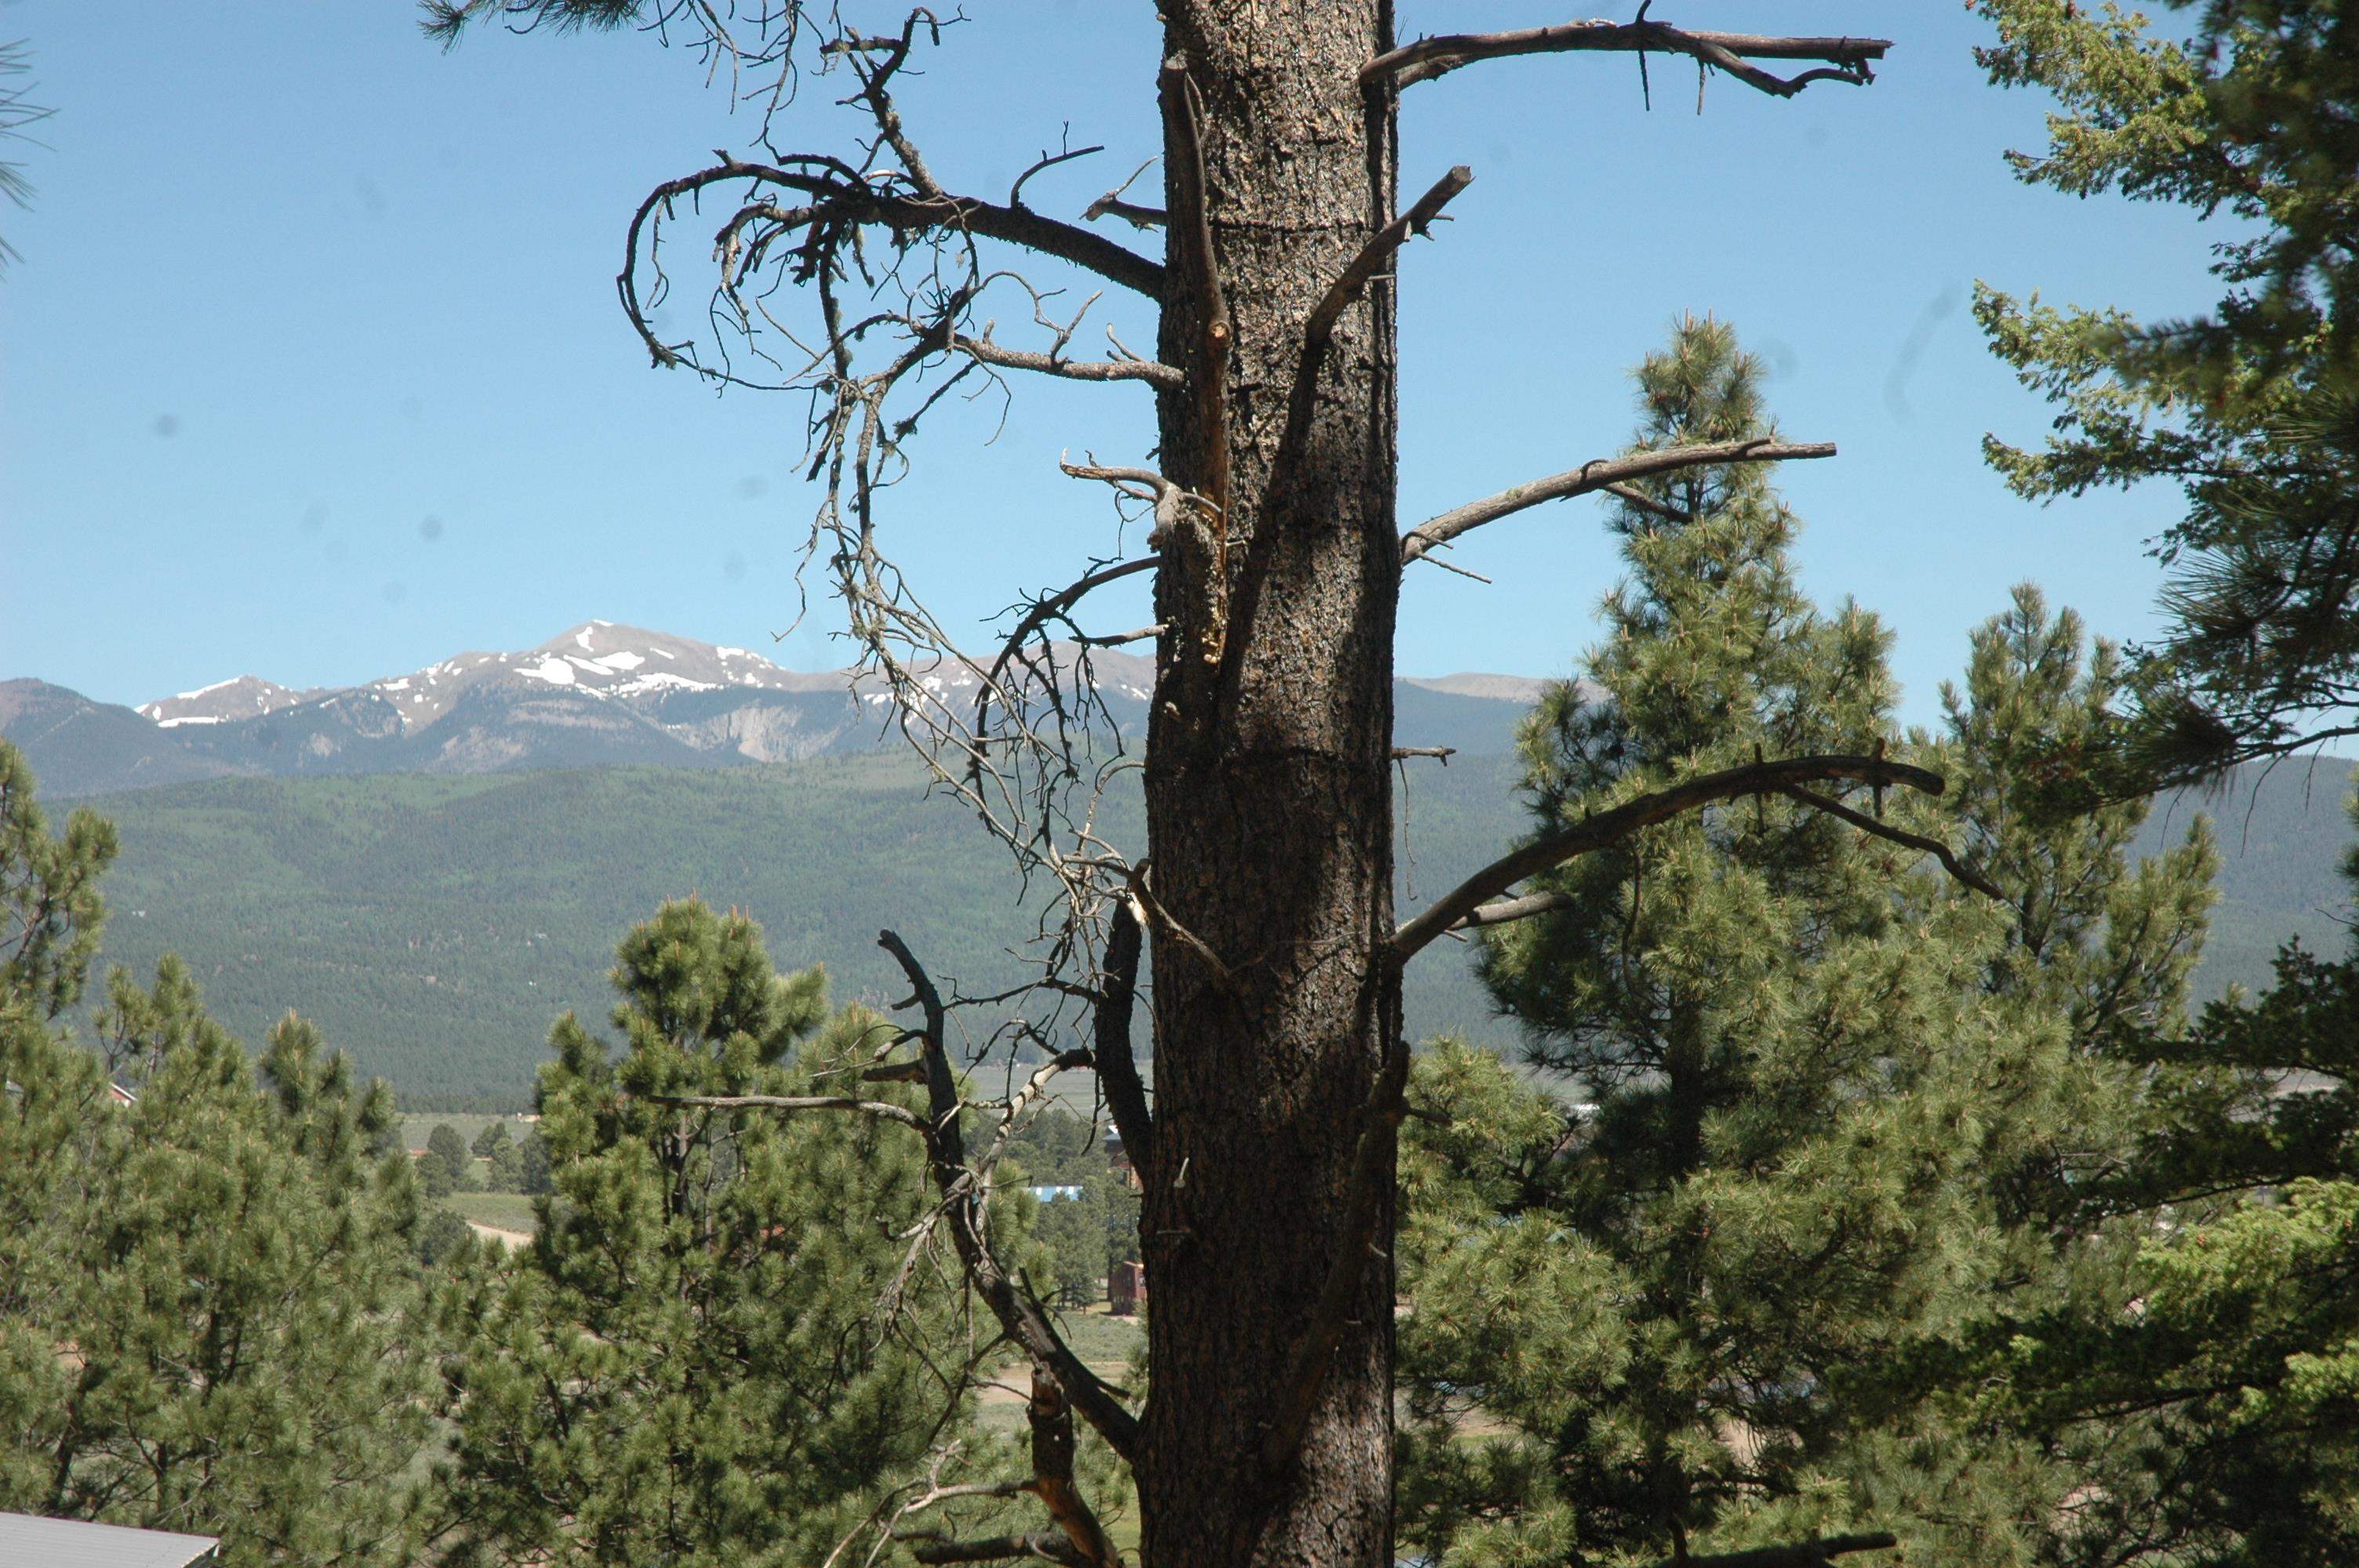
x=596, y=694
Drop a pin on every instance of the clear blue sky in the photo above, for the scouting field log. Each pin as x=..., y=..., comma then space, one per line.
x=311, y=367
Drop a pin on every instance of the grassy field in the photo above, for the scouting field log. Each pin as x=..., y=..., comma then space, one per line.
x=417, y=1125
x=501, y=1211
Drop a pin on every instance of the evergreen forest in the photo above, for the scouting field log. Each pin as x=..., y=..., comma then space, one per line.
x=1823, y=1137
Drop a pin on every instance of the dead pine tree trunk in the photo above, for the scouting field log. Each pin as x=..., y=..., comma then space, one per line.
x=1268, y=800
x=1264, y=888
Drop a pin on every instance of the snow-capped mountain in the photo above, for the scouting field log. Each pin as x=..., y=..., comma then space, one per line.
x=597, y=658
x=597, y=694
x=225, y=701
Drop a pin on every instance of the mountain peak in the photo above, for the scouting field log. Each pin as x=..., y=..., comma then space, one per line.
x=602, y=692
x=224, y=702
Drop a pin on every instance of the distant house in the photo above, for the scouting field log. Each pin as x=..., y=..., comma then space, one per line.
x=1118, y=1160
x=1063, y=1194
x=115, y=1093
x=72, y=1544
x=1125, y=1289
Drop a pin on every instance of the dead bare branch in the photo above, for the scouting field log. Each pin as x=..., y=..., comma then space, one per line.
x=1111, y=202
x=1878, y=829
x=1799, y=1554
x=962, y=1195
x=1848, y=59
x=936, y=1551
x=1208, y=377
x=1612, y=826
x=882, y=1110
x=1005, y=358
x=1599, y=474
x=1319, y=328
x=1052, y=1420
x=1118, y=1068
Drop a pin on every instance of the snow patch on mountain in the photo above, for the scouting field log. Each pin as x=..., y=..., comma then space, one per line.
x=225, y=702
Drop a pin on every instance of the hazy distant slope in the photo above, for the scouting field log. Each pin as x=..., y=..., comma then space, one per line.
x=2282, y=837
x=436, y=926
x=77, y=746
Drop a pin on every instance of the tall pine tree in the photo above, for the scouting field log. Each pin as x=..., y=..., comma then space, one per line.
x=1661, y=1294
x=1838, y=1115
x=690, y=1365
x=210, y=1323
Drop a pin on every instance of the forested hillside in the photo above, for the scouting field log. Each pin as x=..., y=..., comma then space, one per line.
x=436, y=926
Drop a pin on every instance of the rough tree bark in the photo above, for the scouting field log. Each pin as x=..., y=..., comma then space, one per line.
x=1268, y=805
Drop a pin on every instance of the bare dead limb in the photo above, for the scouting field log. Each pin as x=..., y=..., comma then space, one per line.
x=1045, y=161
x=1599, y=474
x=1800, y=1554
x=831, y=196
x=1208, y=377
x=1052, y=1420
x=1346, y=290
x=962, y=1198
x=1878, y=829
x=1645, y=503
x=1131, y=212
x=1005, y=358
x=1355, y=1245
x=1499, y=911
x=963, y=1191
x=1319, y=328
x=1846, y=59
x=1118, y=1068
x=1612, y=826
x=1055, y=606
x=937, y=1551
x=1443, y=753
x=883, y=1110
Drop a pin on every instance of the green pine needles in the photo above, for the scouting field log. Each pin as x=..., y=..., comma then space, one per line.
x=717, y=1349
x=1806, y=1111
x=208, y=1316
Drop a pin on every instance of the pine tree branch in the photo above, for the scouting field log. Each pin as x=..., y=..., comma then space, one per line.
x=834, y=195
x=1022, y=1319
x=1799, y=1554
x=1599, y=474
x=1052, y=1420
x=1004, y=358
x=1500, y=912
x=1612, y=826
x=1319, y=328
x=883, y=1110
x=1847, y=59
x=1057, y=606
x=1190, y=221
x=1902, y=837
x=1302, y=397
x=1118, y=1068
x=936, y=1552
x=961, y=1194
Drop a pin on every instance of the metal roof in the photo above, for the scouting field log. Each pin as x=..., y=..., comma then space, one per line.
x=29, y=1542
